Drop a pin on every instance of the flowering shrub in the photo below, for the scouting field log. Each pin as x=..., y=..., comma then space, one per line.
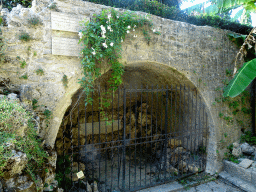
x=102, y=39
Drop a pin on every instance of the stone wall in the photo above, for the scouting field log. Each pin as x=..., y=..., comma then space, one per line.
x=182, y=54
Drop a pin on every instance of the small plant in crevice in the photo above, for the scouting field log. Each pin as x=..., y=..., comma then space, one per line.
x=65, y=80
x=53, y=6
x=40, y=72
x=23, y=64
x=35, y=53
x=34, y=102
x=228, y=73
x=229, y=156
x=34, y=21
x=25, y=76
x=24, y=36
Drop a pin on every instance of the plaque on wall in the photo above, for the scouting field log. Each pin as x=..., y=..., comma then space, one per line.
x=66, y=46
x=67, y=22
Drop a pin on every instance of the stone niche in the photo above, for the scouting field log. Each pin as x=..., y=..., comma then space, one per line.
x=144, y=113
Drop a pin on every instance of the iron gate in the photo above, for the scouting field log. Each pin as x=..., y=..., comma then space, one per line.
x=153, y=136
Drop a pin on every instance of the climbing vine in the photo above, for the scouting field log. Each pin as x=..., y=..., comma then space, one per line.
x=102, y=39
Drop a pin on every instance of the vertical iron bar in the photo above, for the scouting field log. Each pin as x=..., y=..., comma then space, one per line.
x=99, y=132
x=123, y=184
x=180, y=132
x=64, y=160
x=175, y=124
x=140, y=131
x=196, y=127
x=161, y=145
x=158, y=135
x=118, y=152
x=188, y=132
x=130, y=141
x=166, y=124
x=92, y=141
x=78, y=135
x=112, y=143
x=183, y=120
x=199, y=130
x=146, y=134
x=192, y=131
x=106, y=132
x=135, y=138
x=151, y=135
x=171, y=126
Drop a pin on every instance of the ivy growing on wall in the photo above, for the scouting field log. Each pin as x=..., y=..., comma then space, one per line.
x=102, y=39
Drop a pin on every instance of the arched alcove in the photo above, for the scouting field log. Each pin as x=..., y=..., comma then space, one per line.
x=153, y=103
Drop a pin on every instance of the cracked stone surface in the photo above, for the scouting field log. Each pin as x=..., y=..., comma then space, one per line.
x=212, y=186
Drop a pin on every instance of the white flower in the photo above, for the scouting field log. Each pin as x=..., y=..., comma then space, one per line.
x=133, y=29
x=121, y=40
x=127, y=31
x=105, y=45
x=109, y=16
x=111, y=44
x=135, y=36
x=80, y=35
x=129, y=27
x=135, y=26
x=107, y=22
x=109, y=28
x=117, y=16
x=154, y=30
x=102, y=27
x=93, y=53
x=103, y=36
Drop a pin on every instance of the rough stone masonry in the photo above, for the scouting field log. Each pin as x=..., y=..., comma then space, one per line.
x=183, y=52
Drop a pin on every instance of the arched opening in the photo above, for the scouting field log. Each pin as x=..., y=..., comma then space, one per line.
x=158, y=131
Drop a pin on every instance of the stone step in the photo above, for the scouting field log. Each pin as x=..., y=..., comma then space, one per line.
x=248, y=175
x=238, y=182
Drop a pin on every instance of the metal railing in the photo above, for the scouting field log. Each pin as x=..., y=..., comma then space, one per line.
x=157, y=135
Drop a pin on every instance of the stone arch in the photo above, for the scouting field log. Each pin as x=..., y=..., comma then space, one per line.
x=149, y=73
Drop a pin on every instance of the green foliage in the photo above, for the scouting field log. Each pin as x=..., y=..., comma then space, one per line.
x=248, y=138
x=234, y=104
x=228, y=72
x=156, y=8
x=24, y=36
x=12, y=117
x=34, y=102
x=40, y=72
x=65, y=80
x=102, y=39
x=24, y=76
x=246, y=110
x=229, y=156
x=23, y=64
x=63, y=168
x=242, y=79
x=53, y=6
x=221, y=115
x=34, y=21
x=13, y=3
x=35, y=54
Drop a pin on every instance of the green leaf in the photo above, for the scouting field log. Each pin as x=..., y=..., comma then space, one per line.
x=242, y=79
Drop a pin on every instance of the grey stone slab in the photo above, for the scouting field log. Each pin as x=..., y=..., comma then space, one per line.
x=234, y=170
x=173, y=186
x=244, y=185
x=245, y=163
x=67, y=22
x=203, y=188
x=66, y=46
